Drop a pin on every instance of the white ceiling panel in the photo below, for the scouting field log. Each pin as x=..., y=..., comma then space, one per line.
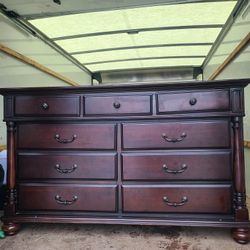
x=144, y=52
x=141, y=39
x=148, y=36
x=146, y=64
x=148, y=17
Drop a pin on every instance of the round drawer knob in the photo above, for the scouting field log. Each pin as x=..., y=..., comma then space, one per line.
x=116, y=105
x=192, y=101
x=45, y=106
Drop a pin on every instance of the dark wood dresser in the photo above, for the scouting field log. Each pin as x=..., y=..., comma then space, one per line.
x=154, y=154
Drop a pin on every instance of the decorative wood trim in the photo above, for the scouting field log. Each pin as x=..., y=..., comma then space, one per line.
x=36, y=65
x=231, y=56
x=247, y=144
x=241, y=211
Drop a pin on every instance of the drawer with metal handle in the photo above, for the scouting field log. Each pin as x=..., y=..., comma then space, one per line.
x=193, y=101
x=177, y=165
x=67, y=165
x=75, y=197
x=68, y=136
x=118, y=105
x=177, y=198
x=47, y=105
x=177, y=134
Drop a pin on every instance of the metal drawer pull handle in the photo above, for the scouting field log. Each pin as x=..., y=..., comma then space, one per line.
x=45, y=106
x=66, y=170
x=175, y=204
x=165, y=137
x=116, y=105
x=170, y=171
x=60, y=200
x=57, y=137
x=192, y=101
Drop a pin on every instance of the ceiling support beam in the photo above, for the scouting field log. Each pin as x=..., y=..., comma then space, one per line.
x=237, y=8
x=139, y=30
x=144, y=58
x=247, y=144
x=30, y=29
x=36, y=65
x=231, y=57
x=142, y=47
x=73, y=6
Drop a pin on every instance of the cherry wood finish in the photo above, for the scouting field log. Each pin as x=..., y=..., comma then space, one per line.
x=71, y=136
x=193, y=101
x=179, y=165
x=67, y=166
x=155, y=154
x=11, y=228
x=118, y=105
x=68, y=197
x=47, y=105
x=177, y=199
x=241, y=235
x=184, y=134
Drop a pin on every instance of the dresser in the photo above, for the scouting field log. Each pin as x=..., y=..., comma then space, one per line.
x=142, y=154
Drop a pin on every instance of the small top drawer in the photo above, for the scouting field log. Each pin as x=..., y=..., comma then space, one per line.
x=47, y=105
x=118, y=105
x=193, y=101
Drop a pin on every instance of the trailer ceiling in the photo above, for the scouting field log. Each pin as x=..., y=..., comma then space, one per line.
x=119, y=35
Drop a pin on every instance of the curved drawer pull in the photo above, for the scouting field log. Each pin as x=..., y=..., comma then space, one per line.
x=57, y=137
x=170, y=171
x=60, y=200
x=45, y=106
x=175, y=204
x=66, y=170
x=182, y=137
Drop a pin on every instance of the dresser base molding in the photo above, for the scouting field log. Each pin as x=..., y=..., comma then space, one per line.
x=240, y=230
x=19, y=219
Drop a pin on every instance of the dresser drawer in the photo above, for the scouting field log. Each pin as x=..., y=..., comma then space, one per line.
x=193, y=101
x=67, y=166
x=189, y=134
x=47, y=105
x=70, y=136
x=177, y=198
x=118, y=105
x=68, y=197
x=177, y=166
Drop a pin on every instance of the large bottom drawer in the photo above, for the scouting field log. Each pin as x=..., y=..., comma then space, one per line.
x=177, y=198
x=67, y=197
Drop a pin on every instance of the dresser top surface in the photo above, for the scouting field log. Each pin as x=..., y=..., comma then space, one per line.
x=138, y=86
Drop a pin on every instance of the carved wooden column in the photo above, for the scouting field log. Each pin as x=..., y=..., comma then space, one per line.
x=241, y=235
x=10, y=228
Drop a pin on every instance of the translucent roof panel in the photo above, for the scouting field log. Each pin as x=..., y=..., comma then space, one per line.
x=193, y=62
x=143, y=52
x=205, y=13
x=146, y=37
x=177, y=36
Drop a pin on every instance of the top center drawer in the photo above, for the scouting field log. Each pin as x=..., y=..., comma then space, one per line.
x=118, y=105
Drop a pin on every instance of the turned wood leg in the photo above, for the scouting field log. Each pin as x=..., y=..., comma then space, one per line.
x=241, y=235
x=10, y=228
